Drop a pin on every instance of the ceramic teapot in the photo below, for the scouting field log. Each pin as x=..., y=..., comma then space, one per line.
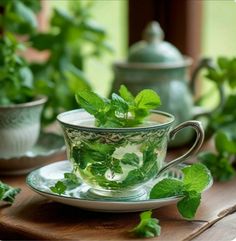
x=158, y=65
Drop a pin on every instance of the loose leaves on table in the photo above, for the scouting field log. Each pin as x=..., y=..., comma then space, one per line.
x=8, y=193
x=148, y=227
x=196, y=178
x=119, y=111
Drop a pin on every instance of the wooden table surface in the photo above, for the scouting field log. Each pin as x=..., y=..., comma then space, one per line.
x=34, y=217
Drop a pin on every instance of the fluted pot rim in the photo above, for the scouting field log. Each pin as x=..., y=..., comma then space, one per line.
x=38, y=100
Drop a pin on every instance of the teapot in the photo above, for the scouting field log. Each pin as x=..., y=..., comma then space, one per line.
x=156, y=64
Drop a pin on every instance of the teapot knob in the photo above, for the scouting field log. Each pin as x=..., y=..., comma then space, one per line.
x=153, y=32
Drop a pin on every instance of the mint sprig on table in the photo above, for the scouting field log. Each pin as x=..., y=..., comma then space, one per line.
x=69, y=182
x=220, y=162
x=148, y=227
x=196, y=178
x=124, y=110
x=8, y=193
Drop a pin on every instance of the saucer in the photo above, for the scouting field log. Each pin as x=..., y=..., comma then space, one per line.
x=43, y=178
x=49, y=146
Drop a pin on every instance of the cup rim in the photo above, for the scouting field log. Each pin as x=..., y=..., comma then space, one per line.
x=38, y=100
x=115, y=129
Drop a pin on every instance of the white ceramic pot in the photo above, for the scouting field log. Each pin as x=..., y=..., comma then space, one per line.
x=19, y=127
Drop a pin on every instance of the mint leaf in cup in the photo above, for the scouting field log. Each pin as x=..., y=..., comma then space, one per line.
x=196, y=178
x=124, y=110
x=148, y=227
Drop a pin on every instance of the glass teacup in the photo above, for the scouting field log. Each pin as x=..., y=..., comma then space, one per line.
x=116, y=163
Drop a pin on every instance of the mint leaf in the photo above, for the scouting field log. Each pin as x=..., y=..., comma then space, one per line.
x=119, y=105
x=223, y=62
x=59, y=188
x=189, y=204
x=115, y=166
x=98, y=168
x=130, y=159
x=220, y=163
x=126, y=94
x=224, y=144
x=167, y=188
x=69, y=182
x=119, y=111
x=196, y=177
x=219, y=167
x=147, y=99
x=94, y=104
x=149, y=153
x=8, y=193
x=90, y=101
x=148, y=227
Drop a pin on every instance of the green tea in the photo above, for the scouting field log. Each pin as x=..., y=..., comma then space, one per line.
x=117, y=161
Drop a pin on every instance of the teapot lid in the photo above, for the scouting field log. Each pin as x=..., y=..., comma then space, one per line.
x=152, y=49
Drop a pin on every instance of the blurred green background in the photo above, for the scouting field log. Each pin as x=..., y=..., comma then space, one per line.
x=218, y=38
x=99, y=71
x=218, y=28
x=218, y=35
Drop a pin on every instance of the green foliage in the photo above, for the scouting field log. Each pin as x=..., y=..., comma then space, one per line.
x=220, y=163
x=119, y=111
x=223, y=73
x=16, y=79
x=73, y=38
x=196, y=178
x=148, y=227
x=222, y=122
x=8, y=193
x=69, y=182
x=96, y=159
x=58, y=188
x=130, y=159
x=19, y=16
x=189, y=204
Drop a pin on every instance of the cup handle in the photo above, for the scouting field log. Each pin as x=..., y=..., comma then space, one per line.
x=197, y=126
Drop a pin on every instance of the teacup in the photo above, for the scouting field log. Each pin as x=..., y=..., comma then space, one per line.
x=118, y=162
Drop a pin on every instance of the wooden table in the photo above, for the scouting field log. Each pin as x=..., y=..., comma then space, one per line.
x=34, y=217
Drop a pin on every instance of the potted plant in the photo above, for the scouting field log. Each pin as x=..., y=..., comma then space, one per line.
x=20, y=104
